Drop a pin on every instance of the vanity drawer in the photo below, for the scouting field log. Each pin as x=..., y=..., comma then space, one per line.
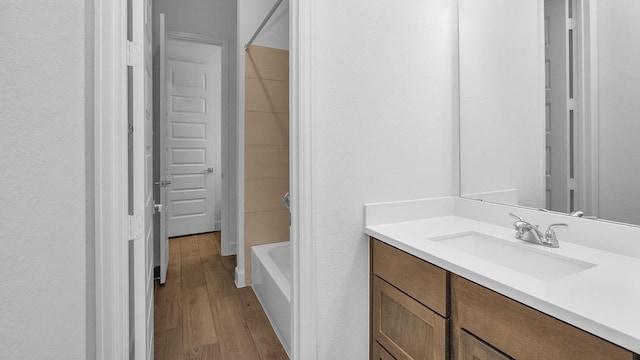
x=407, y=329
x=518, y=330
x=472, y=348
x=421, y=280
x=379, y=353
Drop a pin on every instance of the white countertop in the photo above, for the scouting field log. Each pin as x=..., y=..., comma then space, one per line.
x=603, y=300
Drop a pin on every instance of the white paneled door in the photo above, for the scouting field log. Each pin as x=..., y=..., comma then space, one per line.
x=142, y=186
x=193, y=137
x=164, y=171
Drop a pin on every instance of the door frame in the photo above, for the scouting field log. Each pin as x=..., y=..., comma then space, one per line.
x=111, y=181
x=587, y=90
x=303, y=300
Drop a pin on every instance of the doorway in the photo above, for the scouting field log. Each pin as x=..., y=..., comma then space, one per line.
x=193, y=101
x=193, y=139
x=111, y=276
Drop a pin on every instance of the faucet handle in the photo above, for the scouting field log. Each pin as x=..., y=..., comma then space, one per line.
x=521, y=225
x=518, y=224
x=577, y=213
x=517, y=217
x=551, y=234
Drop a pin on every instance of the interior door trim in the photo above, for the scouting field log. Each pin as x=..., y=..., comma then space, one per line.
x=304, y=309
x=111, y=185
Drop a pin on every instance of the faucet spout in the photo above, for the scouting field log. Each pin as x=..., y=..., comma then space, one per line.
x=529, y=232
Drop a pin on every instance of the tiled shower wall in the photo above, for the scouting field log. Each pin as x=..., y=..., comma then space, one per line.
x=266, y=148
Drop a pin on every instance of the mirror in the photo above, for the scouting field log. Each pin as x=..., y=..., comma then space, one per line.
x=550, y=105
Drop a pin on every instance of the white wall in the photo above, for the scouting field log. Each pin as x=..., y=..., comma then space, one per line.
x=619, y=128
x=382, y=123
x=501, y=98
x=275, y=34
x=90, y=178
x=215, y=19
x=42, y=228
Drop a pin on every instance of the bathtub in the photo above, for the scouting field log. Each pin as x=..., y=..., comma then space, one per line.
x=271, y=281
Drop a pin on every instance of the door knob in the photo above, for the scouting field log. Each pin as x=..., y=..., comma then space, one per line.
x=157, y=208
x=163, y=183
x=207, y=170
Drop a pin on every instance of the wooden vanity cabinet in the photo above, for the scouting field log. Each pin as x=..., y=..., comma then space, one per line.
x=509, y=329
x=408, y=306
x=421, y=311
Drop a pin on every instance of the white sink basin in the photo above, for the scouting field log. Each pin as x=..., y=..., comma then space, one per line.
x=540, y=263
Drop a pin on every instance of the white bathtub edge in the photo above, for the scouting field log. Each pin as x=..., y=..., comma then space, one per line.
x=268, y=281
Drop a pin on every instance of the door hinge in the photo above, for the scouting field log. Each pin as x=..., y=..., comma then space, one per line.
x=134, y=54
x=572, y=184
x=136, y=227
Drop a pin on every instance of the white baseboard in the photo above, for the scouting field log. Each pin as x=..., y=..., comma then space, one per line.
x=240, y=278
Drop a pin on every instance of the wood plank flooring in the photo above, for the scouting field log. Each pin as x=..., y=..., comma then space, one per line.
x=200, y=314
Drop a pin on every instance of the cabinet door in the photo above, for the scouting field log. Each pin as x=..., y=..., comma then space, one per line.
x=379, y=353
x=472, y=348
x=405, y=327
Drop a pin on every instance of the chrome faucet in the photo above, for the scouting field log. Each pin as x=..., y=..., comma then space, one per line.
x=528, y=232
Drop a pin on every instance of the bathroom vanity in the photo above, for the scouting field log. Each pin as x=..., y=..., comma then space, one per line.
x=541, y=126
x=449, y=282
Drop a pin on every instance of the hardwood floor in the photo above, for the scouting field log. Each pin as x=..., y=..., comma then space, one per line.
x=200, y=314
